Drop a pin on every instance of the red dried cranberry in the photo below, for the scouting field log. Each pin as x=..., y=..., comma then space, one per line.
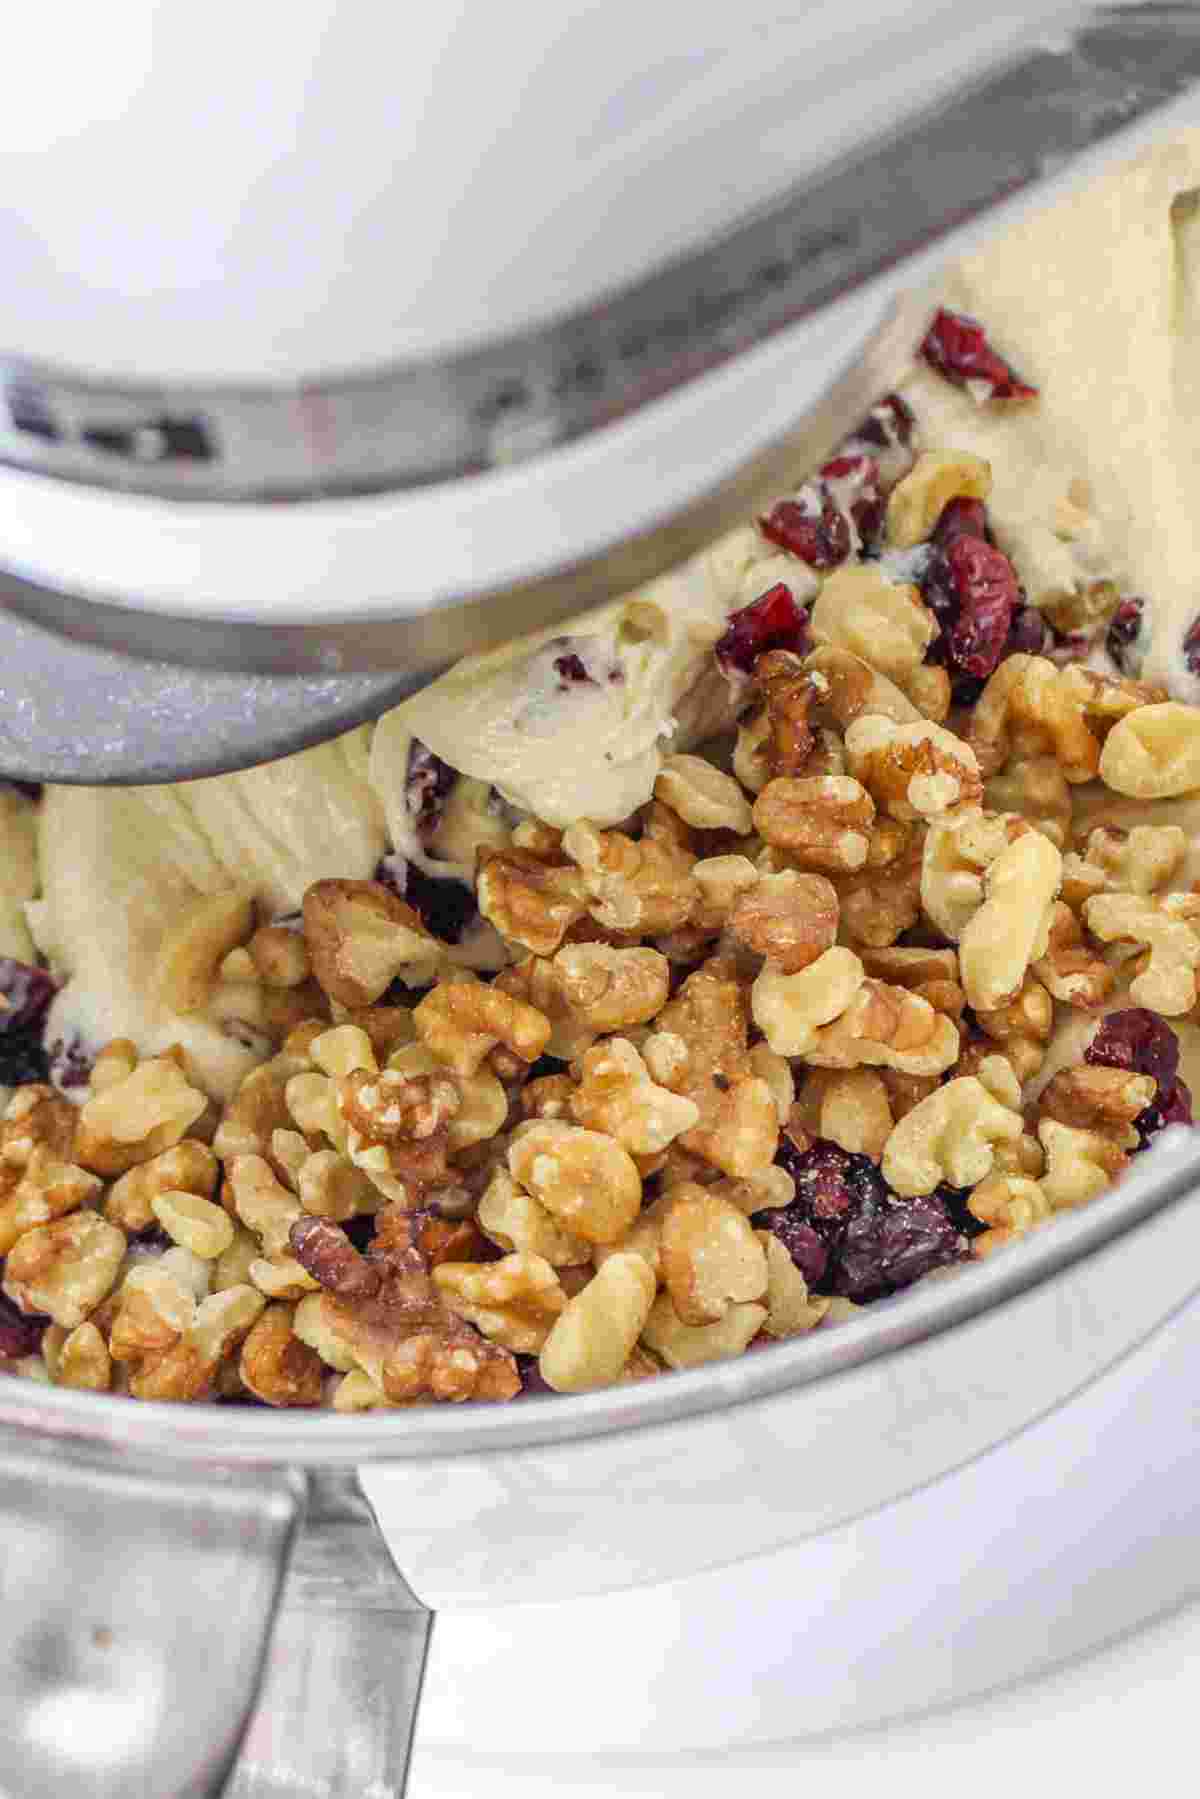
x=961, y=518
x=891, y=422
x=973, y=591
x=20, y=1332
x=1191, y=648
x=428, y=781
x=1138, y=1040
x=1123, y=629
x=956, y=346
x=811, y=526
x=798, y=1237
x=772, y=622
x=1173, y=1107
x=859, y=492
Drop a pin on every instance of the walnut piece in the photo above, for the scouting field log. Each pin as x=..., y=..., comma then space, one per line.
x=514, y=1302
x=361, y=937
x=1154, y=752
x=1028, y=709
x=1100, y=1099
x=701, y=795
x=64, y=1268
x=791, y=918
x=1169, y=927
x=710, y=1257
x=584, y=1179
x=700, y=1049
x=884, y=622
x=135, y=1119
x=821, y=821
x=617, y=1096
x=276, y=1366
x=912, y=771
x=463, y=1021
x=950, y=1136
x=1009, y=931
x=645, y=886
x=531, y=899
x=592, y=1340
x=1070, y=970
x=938, y=476
x=1080, y=1164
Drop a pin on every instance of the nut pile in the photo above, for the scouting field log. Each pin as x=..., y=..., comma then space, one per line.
x=769, y=1050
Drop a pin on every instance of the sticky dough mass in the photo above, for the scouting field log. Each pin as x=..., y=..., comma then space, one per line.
x=1097, y=301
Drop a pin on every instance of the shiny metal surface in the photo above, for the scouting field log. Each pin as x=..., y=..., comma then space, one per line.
x=338, y=1701
x=135, y=1607
x=512, y=400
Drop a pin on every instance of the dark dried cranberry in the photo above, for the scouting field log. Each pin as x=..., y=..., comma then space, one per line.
x=153, y=1237
x=956, y=346
x=428, y=781
x=1124, y=626
x=891, y=422
x=1138, y=1040
x=27, y=992
x=1173, y=1107
x=70, y=1062
x=820, y=1174
x=531, y=1377
x=361, y=1231
x=812, y=526
x=858, y=492
x=772, y=622
x=1191, y=648
x=798, y=1237
x=446, y=906
x=954, y=1202
x=961, y=518
x=1027, y=634
x=20, y=1332
x=571, y=671
x=889, y=1243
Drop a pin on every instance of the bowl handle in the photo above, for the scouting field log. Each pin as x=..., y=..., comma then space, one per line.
x=137, y=1654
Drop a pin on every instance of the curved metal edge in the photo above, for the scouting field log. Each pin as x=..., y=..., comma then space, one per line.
x=247, y=1435
x=337, y=1706
x=136, y=1603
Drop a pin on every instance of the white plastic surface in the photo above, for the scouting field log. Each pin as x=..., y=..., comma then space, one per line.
x=617, y=1512
x=216, y=193
x=1058, y=1543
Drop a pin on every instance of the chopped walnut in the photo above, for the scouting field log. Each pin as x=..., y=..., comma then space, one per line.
x=791, y=1009
x=617, y=1096
x=259, y=1108
x=84, y=1361
x=608, y=989
x=1079, y=1164
x=702, y=796
x=932, y=974
x=1010, y=929
x=187, y=1167
x=1029, y=709
x=700, y=1049
x=884, y=622
x=262, y=1202
x=682, y=1345
x=279, y=956
x=1070, y=970
x=912, y=771
x=361, y=937
x=189, y=1368
x=948, y=1137
x=821, y=821
x=783, y=739
x=1154, y=752
x=1141, y=860
x=888, y=1027
x=791, y=1310
x=938, y=476
x=1036, y=790
x=1022, y=1027
x=1168, y=925
x=515, y=1220
x=791, y=918
x=1099, y=1099
x=462, y=1021
x=513, y=1302
x=589, y=1184
x=710, y=1257
x=36, y=1117
x=276, y=1366
x=958, y=852
x=644, y=885
x=531, y=899
x=883, y=899
x=137, y=1118
x=64, y=1268
x=45, y=1189
x=195, y=945
x=1010, y=1205
x=847, y=1106
x=850, y=686
x=591, y=1342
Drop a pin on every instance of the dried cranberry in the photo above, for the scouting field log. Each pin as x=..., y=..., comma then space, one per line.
x=20, y=1332
x=1173, y=1107
x=848, y=1234
x=961, y=518
x=571, y=671
x=812, y=526
x=531, y=1377
x=446, y=906
x=70, y=1062
x=973, y=591
x=153, y=1237
x=361, y=1231
x=428, y=781
x=1027, y=633
x=1123, y=629
x=1191, y=648
x=774, y=621
x=956, y=346
x=889, y=1243
x=1138, y=1040
x=27, y=991
x=858, y=492
x=891, y=422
